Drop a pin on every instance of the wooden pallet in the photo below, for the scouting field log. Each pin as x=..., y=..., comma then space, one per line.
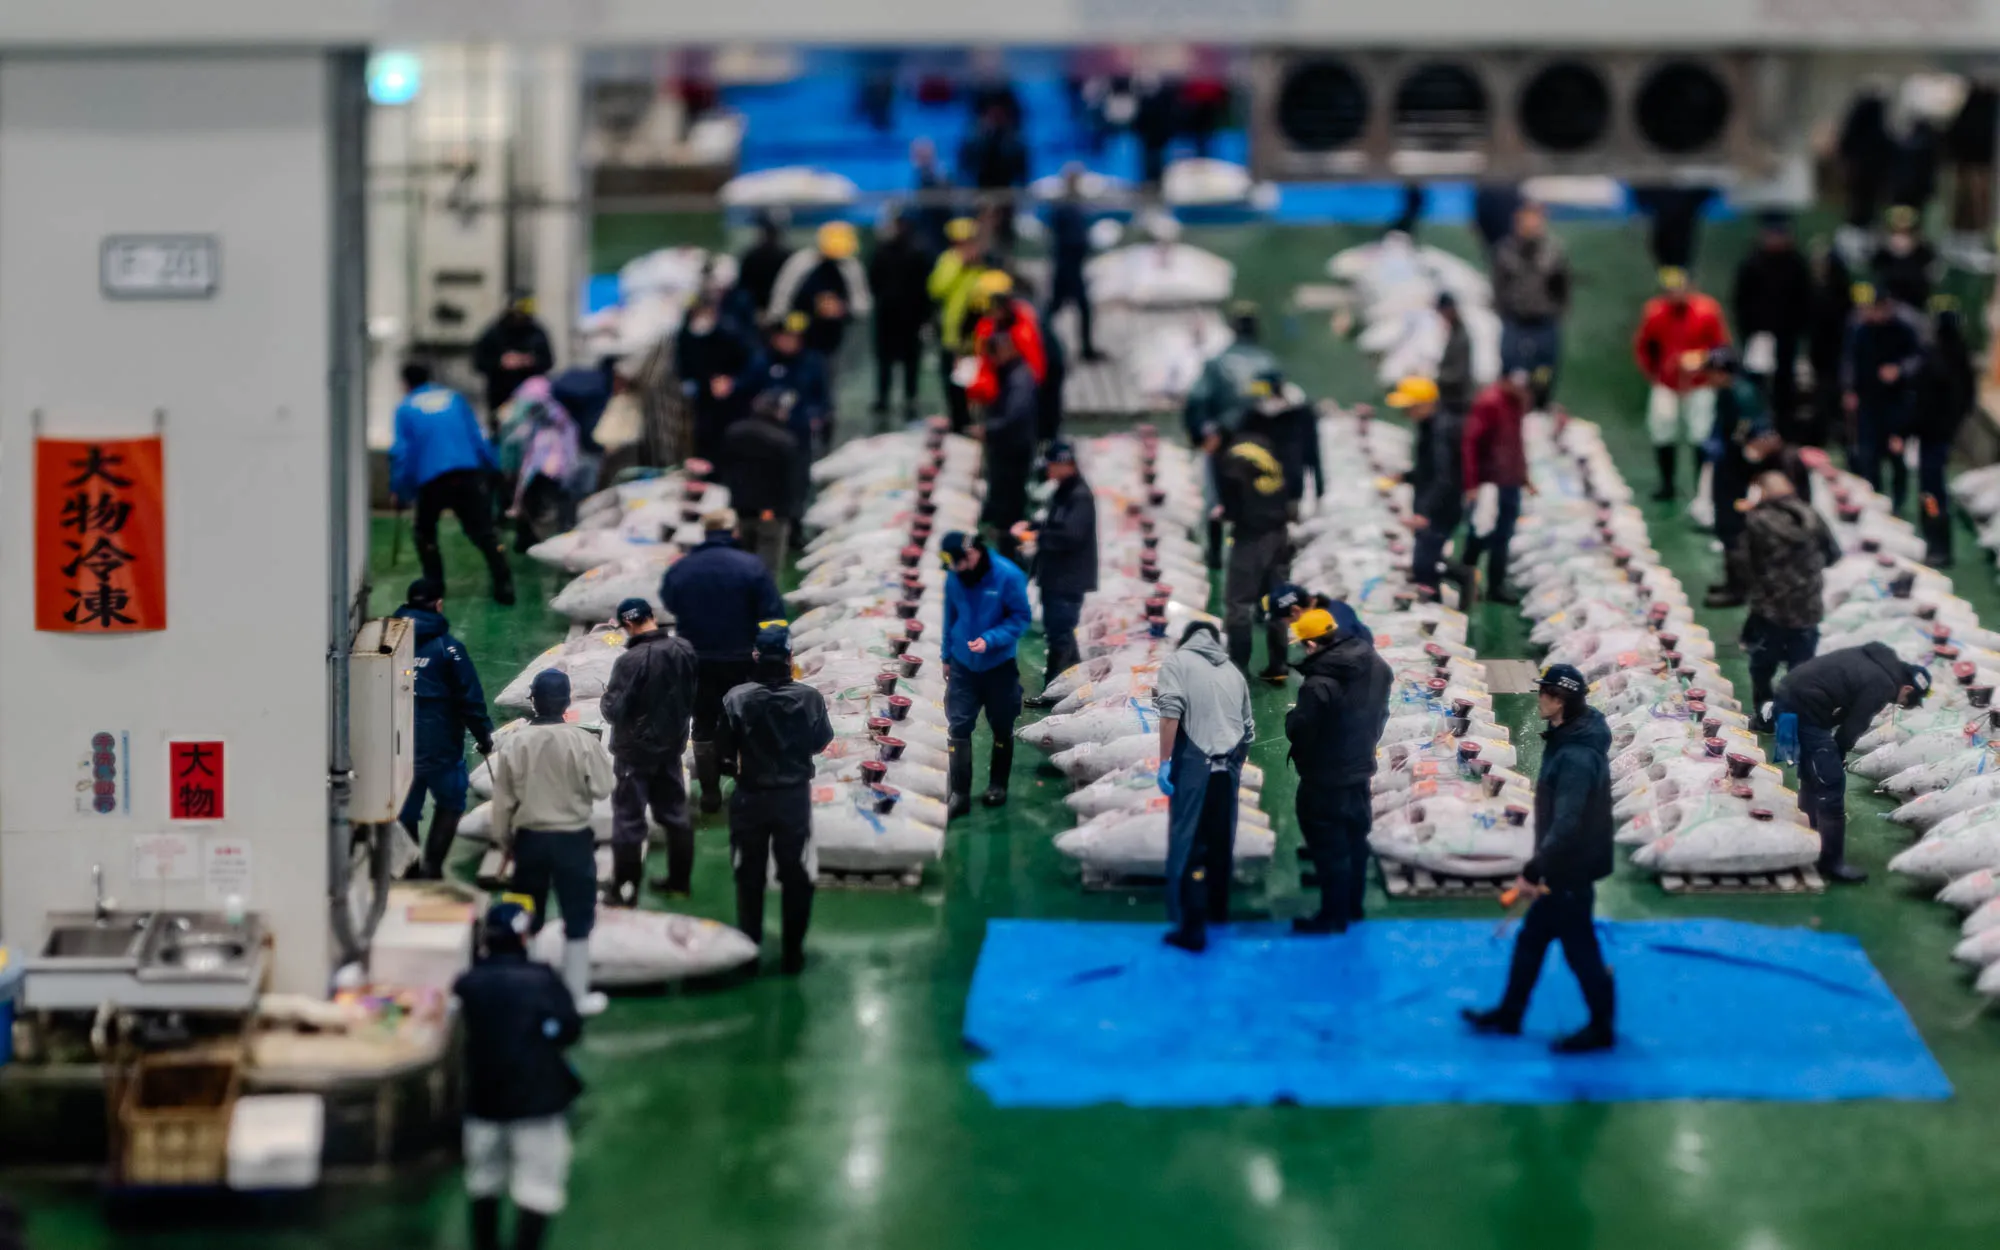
x=880, y=879
x=1405, y=882
x=1800, y=881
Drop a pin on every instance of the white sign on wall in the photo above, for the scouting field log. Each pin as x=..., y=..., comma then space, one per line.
x=159, y=266
x=164, y=857
x=225, y=870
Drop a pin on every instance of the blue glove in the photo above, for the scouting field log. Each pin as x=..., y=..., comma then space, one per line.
x=1165, y=776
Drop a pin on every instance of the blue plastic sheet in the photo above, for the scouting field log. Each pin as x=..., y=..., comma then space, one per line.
x=1071, y=1014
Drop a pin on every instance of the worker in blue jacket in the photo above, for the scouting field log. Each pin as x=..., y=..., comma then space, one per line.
x=518, y=1018
x=450, y=701
x=787, y=364
x=441, y=460
x=985, y=613
x=720, y=596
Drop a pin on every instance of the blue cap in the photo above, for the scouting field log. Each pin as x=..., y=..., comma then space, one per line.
x=1348, y=621
x=1564, y=679
x=774, y=638
x=1061, y=452
x=508, y=925
x=424, y=593
x=953, y=544
x=549, y=693
x=1285, y=598
x=632, y=611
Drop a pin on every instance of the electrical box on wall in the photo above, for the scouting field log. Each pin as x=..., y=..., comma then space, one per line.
x=381, y=705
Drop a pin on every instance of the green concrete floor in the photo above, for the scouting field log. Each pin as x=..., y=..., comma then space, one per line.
x=835, y=1110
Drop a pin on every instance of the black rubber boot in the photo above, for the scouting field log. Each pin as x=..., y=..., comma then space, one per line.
x=1833, y=863
x=1214, y=545
x=960, y=780
x=531, y=1228
x=1665, y=457
x=708, y=774
x=485, y=1224
x=999, y=769
x=628, y=868
x=1599, y=1033
x=1497, y=1021
x=437, y=846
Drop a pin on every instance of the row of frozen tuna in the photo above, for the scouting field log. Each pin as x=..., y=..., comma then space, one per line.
x=1691, y=788
x=1448, y=798
x=1103, y=732
x=1395, y=285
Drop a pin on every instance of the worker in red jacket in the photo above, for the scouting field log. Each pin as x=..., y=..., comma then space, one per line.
x=1495, y=456
x=992, y=297
x=1679, y=329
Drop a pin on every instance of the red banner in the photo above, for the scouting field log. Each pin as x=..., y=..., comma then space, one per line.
x=100, y=535
x=195, y=773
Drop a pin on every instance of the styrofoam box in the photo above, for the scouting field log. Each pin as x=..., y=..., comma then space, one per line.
x=275, y=1141
x=417, y=954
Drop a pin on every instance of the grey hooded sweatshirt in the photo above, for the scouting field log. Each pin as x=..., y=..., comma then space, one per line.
x=1201, y=689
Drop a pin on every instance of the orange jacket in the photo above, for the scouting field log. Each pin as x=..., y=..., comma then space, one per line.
x=1027, y=337
x=1667, y=332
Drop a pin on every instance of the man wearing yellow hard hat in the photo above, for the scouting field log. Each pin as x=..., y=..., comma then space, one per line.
x=826, y=282
x=1677, y=332
x=952, y=283
x=1437, y=475
x=1333, y=730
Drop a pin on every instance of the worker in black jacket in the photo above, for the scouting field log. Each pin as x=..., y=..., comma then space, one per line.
x=648, y=702
x=757, y=270
x=1831, y=699
x=1455, y=379
x=1251, y=483
x=760, y=456
x=771, y=729
x=1947, y=393
x=1572, y=854
x=1333, y=729
x=519, y=1018
x=1008, y=429
x=711, y=355
x=449, y=703
x=1774, y=297
x=1884, y=354
x=511, y=350
x=719, y=596
x=899, y=276
x=1437, y=477
x=1065, y=559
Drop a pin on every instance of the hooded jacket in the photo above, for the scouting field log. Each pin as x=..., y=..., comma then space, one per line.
x=1790, y=547
x=649, y=701
x=1841, y=691
x=1573, y=805
x=995, y=608
x=450, y=700
x=718, y=593
x=519, y=1018
x=1222, y=392
x=1774, y=293
x=1337, y=722
x=1251, y=480
x=759, y=463
x=1200, y=688
x=547, y=777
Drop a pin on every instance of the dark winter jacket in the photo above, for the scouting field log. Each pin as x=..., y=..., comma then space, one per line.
x=757, y=271
x=1907, y=276
x=1251, y=482
x=1454, y=379
x=1066, y=546
x=1069, y=243
x=1294, y=435
x=519, y=1018
x=1969, y=139
x=1493, y=207
x=804, y=374
x=1774, y=293
x=769, y=733
x=1492, y=448
x=1788, y=551
x=899, y=275
x=759, y=463
x=1865, y=142
x=1337, y=722
x=1841, y=691
x=1438, y=476
x=993, y=159
x=511, y=333
x=1573, y=805
x=649, y=700
x=450, y=700
x=700, y=358
x=718, y=594
x=1530, y=279
x=1872, y=344
x=1947, y=392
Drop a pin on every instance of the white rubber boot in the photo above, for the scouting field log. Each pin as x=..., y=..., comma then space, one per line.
x=576, y=975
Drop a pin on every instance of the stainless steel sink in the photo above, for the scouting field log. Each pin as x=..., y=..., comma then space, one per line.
x=80, y=940
x=191, y=945
x=147, y=960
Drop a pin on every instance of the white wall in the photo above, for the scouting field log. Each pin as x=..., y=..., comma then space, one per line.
x=237, y=147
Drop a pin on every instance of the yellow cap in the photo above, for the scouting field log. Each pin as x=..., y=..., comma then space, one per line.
x=1673, y=278
x=795, y=322
x=1902, y=217
x=1315, y=623
x=521, y=901
x=961, y=230
x=1412, y=391
x=988, y=286
x=838, y=241
x=1862, y=293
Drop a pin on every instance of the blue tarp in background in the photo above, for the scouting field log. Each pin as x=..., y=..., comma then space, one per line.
x=1069, y=1014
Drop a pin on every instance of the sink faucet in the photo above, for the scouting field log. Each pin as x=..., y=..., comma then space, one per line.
x=97, y=887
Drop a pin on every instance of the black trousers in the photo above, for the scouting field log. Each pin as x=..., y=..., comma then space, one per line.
x=662, y=786
x=1069, y=288
x=565, y=860
x=957, y=406
x=713, y=679
x=1257, y=566
x=897, y=347
x=1565, y=917
x=1335, y=822
x=461, y=492
x=762, y=824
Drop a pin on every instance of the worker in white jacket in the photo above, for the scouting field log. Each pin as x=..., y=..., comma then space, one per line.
x=546, y=778
x=827, y=283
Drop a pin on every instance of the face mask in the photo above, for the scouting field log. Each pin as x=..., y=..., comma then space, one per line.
x=702, y=323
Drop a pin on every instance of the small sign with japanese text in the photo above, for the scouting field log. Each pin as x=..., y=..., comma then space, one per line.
x=195, y=781
x=100, y=535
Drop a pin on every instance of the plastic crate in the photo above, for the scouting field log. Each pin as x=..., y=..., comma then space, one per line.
x=175, y=1120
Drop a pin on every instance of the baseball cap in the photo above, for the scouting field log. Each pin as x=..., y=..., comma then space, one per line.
x=1061, y=452
x=1564, y=679
x=952, y=546
x=508, y=922
x=773, y=638
x=1412, y=391
x=424, y=593
x=632, y=611
x=1317, y=623
x=1284, y=598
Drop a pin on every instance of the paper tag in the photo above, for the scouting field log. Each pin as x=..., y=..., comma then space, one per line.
x=164, y=857
x=226, y=870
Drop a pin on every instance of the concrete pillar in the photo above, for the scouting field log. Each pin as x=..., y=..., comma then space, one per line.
x=234, y=145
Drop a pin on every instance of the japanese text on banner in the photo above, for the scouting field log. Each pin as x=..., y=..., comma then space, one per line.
x=100, y=535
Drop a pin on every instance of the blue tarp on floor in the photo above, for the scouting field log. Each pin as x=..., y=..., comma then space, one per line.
x=1069, y=1014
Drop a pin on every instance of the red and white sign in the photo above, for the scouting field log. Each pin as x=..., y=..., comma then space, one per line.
x=196, y=790
x=100, y=536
